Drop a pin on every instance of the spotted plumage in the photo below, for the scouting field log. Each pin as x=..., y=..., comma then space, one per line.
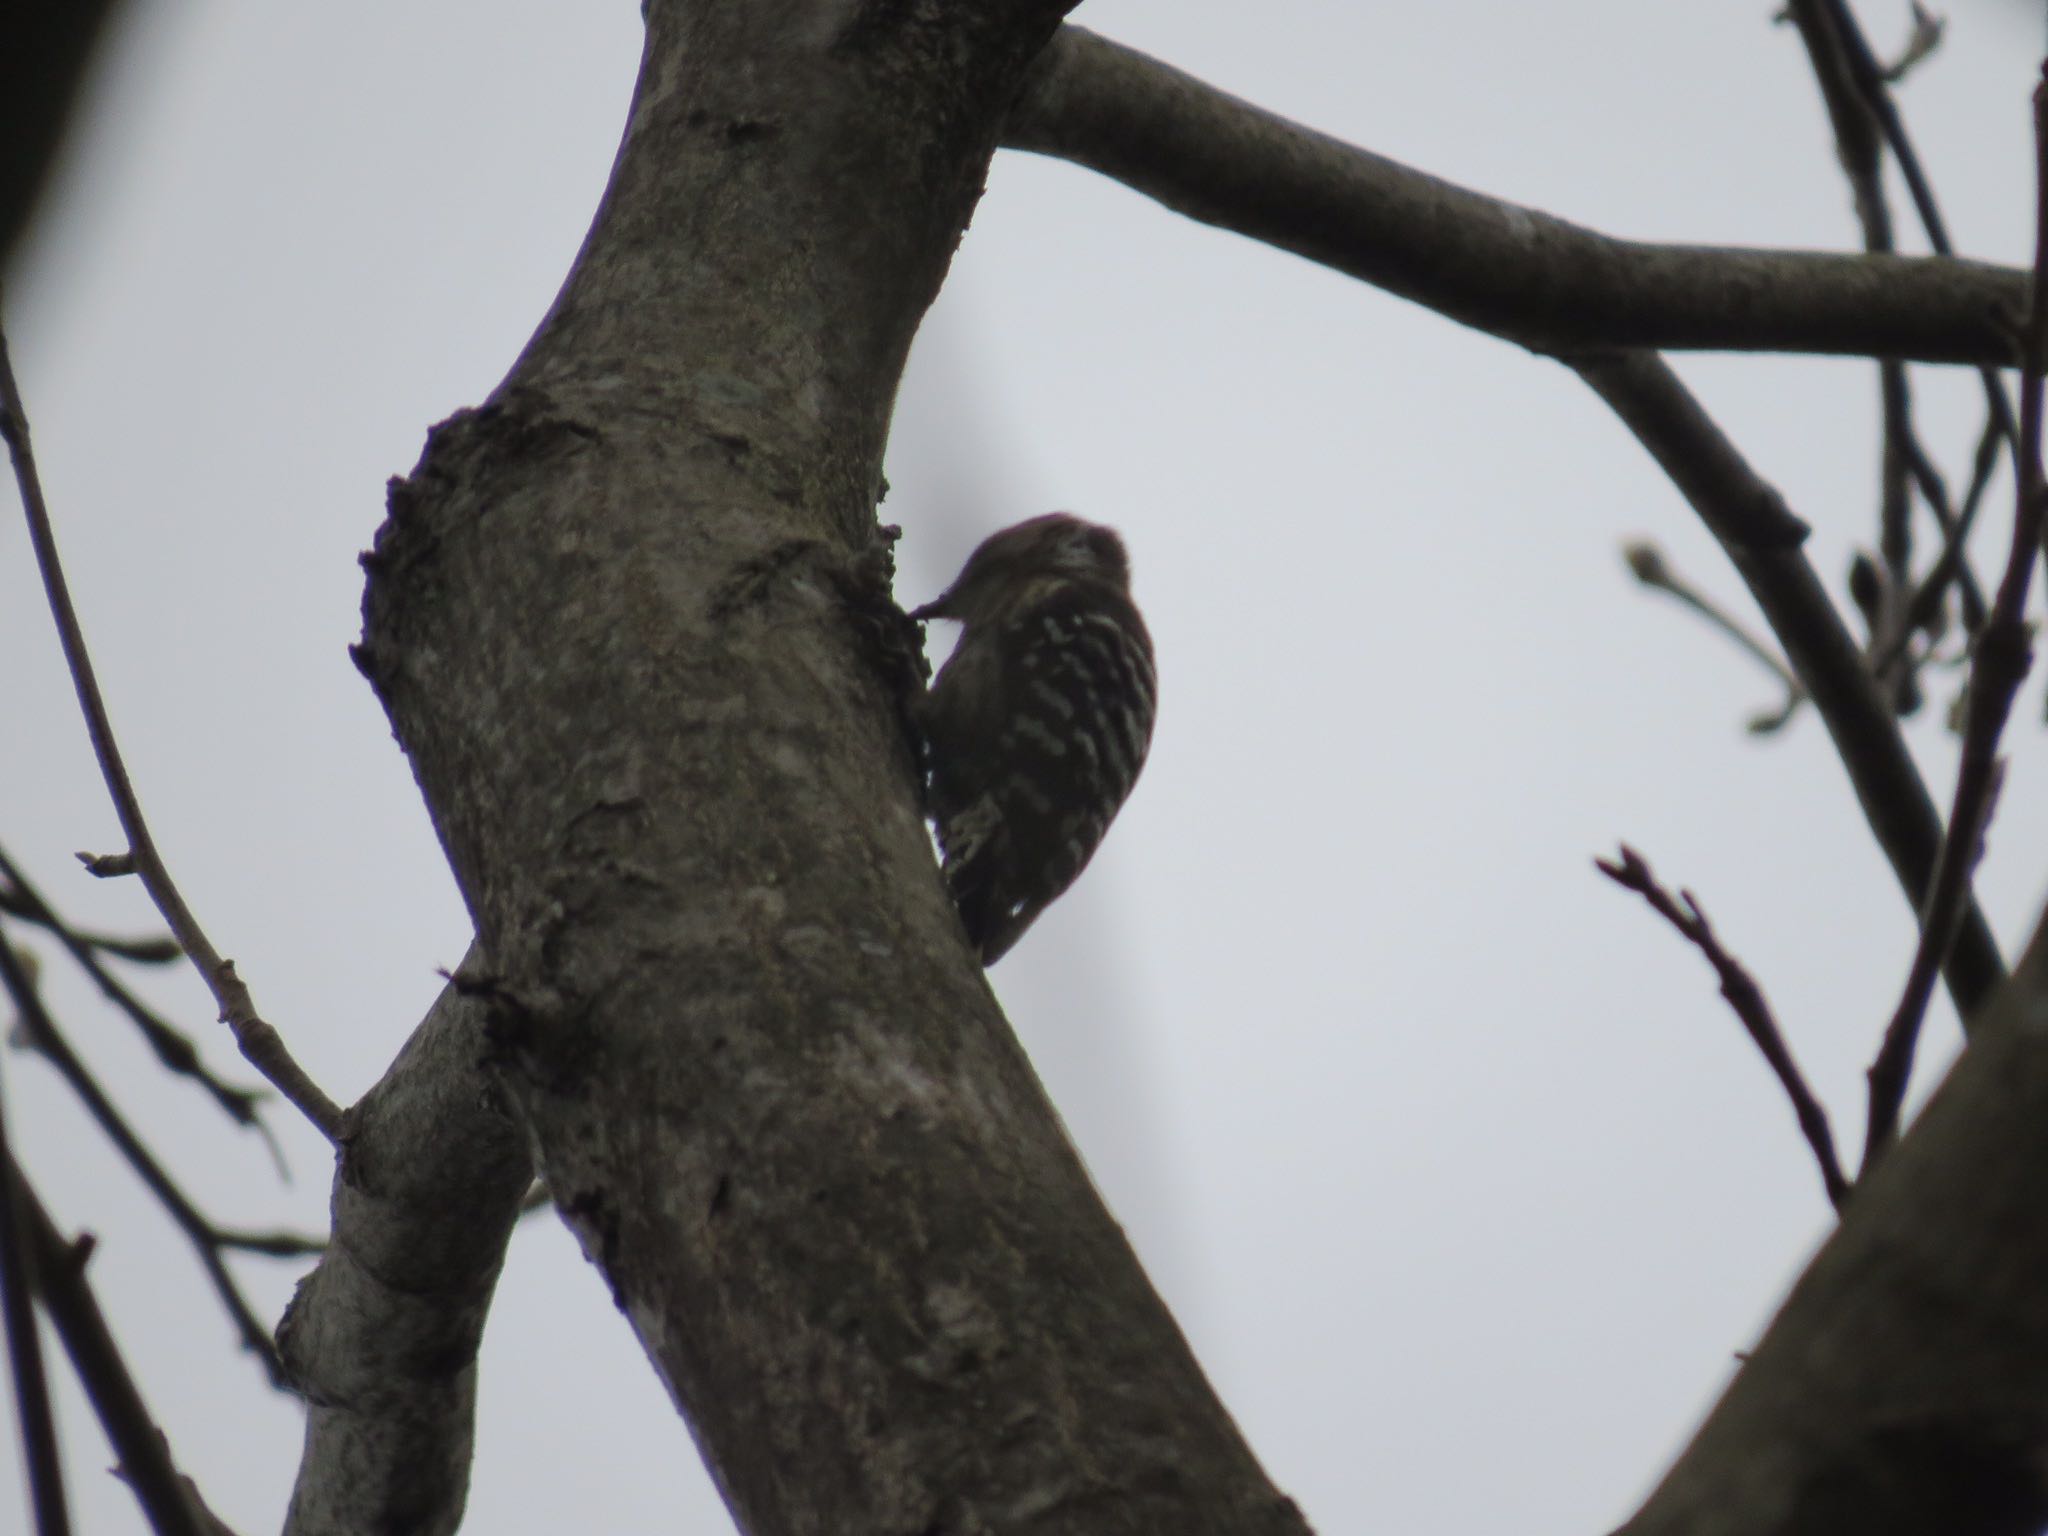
x=1039, y=722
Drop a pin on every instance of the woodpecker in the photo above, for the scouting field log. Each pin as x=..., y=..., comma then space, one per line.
x=1038, y=723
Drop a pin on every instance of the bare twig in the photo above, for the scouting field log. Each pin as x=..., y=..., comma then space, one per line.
x=1921, y=42
x=1982, y=467
x=2002, y=656
x=208, y=1241
x=170, y=1502
x=1895, y=514
x=1747, y=999
x=172, y=1047
x=1646, y=561
x=1953, y=566
x=153, y=949
x=1748, y=516
x=1869, y=75
x=1854, y=102
x=25, y=1351
x=259, y=1042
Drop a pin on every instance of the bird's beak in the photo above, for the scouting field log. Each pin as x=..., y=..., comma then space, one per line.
x=935, y=609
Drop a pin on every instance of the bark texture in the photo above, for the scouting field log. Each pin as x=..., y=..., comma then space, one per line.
x=382, y=1337
x=632, y=623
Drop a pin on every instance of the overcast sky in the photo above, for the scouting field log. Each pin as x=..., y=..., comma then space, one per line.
x=1455, y=1169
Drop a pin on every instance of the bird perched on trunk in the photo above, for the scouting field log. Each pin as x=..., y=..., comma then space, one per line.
x=1039, y=721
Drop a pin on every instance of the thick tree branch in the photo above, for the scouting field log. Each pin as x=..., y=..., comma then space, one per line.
x=382, y=1335
x=1513, y=271
x=632, y=624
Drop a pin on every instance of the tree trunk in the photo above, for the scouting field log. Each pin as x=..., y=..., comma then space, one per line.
x=632, y=623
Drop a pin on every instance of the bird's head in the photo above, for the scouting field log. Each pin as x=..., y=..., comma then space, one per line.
x=1053, y=548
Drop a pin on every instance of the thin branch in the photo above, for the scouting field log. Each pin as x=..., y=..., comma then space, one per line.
x=2004, y=652
x=1857, y=103
x=1895, y=520
x=1952, y=566
x=1869, y=75
x=173, y=1048
x=1856, y=87
x=25, y=1351
x=1749, y=518
x=208, y=1241
x=150, y=949
x=1649, y=567
x=1512, y=271
x=1747, y=999
x=39, y=1033
x=1858, y=146
x=1921, y=43
x=169, y=1500
x=259, y=1042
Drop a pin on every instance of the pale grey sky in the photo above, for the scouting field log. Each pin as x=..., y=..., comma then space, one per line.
x=1458, y=1174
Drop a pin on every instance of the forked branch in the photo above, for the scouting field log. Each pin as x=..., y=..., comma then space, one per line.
x=1748, y=1001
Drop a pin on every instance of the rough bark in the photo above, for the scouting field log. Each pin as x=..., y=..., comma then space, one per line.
x=631, y=623
x=1903, y=1388
x=382, y=1336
